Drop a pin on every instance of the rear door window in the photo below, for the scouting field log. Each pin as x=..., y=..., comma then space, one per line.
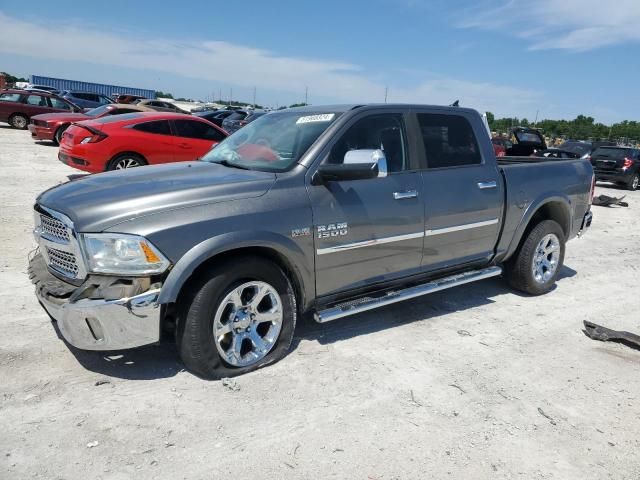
x=448, y=141
x=195, y=129
x=157, y=127
x=10, y=97
x=57, y=103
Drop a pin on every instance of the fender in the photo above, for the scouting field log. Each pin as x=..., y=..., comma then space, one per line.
x=286, y=247
x=541, y=200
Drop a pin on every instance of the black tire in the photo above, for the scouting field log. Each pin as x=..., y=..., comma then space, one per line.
x=197, y=309
x=19, y=121
x=519, y=268
x=57, y=137
x=634, y=183
x=132, y=159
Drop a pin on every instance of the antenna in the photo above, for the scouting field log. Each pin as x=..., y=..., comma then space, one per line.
x=386, y=92
x=306, y=95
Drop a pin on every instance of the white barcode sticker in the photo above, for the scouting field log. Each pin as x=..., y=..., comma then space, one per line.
x=325, y=117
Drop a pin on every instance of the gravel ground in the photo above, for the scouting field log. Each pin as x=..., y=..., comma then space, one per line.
x=477, y=382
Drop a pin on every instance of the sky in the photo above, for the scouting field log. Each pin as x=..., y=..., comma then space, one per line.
x=551, y=58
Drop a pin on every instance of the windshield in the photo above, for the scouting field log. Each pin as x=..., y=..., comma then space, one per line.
x=272, y=143
x=96, y=112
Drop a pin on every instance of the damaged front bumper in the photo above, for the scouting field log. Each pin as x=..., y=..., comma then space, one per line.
x=92, y=323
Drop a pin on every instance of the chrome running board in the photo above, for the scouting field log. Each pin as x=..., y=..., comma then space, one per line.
x=369, y=303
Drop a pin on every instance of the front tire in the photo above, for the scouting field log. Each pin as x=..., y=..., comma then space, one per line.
x=238, y=317
x=57, y=137
x=535, y=266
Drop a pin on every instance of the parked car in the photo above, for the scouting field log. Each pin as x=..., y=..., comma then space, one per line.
x=42, y=88
x=556, y=153
x=161, y=106
x=51, y=126
x=127, y=98
x=617, y=164
x=215, y=117
x=500, y=146
x=86, y=99
x=18, y=106
x=525, y=141
x=136, y=139
x=313, y=210
x=576, y=146
x=234, y=121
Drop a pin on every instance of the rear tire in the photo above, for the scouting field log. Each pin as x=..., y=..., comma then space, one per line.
x=217, y=339
x=19, y=121
x=126, y=160
x=634, y=183
x=534, y=267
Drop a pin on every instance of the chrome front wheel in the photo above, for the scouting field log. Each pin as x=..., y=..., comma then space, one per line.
x=546, y=258
x=247, y=323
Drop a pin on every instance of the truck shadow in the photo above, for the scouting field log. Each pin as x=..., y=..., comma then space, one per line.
x=162, y=360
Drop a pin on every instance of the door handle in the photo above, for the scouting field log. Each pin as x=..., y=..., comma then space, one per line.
x=184, y=145
x=404, y=195
x=486, y=185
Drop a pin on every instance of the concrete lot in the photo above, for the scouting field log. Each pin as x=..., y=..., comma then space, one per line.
x=473, y=383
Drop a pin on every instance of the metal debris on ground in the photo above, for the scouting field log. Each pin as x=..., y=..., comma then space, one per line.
x=607, y=201
x=604, y=334
x=551, y=420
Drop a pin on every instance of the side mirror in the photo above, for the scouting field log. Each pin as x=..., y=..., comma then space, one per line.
x=357, y=165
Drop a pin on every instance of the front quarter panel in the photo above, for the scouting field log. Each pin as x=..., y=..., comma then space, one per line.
x=191, y=236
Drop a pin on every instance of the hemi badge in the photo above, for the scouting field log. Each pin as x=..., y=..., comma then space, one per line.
x=300, y=232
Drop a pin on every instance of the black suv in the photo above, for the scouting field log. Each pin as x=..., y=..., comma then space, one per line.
x=620, y=165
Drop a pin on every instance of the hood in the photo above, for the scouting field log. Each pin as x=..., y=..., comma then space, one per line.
x=97, y=202
x=70, y=117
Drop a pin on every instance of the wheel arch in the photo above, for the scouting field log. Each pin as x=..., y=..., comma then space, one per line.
x=557, y=209
x=279, y=250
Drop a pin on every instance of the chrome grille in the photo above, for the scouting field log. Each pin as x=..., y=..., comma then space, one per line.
x=54, y=229
x=64, y=262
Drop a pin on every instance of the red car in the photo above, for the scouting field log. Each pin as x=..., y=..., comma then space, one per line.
x=18, y=106
x=136, y=139
x=51, y=126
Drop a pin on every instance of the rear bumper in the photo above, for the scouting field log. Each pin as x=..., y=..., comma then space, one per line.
x=586, y=223
x=41, y=133
x=614, y=175
x=97, y=324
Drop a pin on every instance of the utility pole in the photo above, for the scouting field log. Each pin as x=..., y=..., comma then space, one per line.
x=535, y=122
x=230, y=95
x=386, y=92
x=254, y=97
x=306, y=95
x=220, y=95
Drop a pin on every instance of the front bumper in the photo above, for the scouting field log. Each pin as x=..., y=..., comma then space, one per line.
x=40, y=133
x=97, y=324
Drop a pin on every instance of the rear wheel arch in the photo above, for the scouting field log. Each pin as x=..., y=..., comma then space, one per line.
x=557, y=210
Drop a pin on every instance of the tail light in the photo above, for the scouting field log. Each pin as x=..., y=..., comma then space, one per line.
x=593, y=189
x=96, y=135
x=627, y=163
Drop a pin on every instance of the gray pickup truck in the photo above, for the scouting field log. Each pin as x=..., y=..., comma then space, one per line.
x=328, y=211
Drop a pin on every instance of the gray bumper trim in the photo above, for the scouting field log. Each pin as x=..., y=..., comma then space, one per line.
x=107, y=324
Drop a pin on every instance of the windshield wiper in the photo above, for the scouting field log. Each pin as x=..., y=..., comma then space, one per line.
x=227, y=163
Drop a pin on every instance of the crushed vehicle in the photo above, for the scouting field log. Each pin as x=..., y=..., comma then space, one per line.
x=327, y=211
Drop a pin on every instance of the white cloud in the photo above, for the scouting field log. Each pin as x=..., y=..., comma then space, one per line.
x=245, y=67
x=577, y=25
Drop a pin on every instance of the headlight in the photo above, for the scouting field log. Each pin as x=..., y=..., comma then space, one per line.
x=121, y=254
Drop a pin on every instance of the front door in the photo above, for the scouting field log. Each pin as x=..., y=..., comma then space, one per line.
x=369, y=231
x=463, y=194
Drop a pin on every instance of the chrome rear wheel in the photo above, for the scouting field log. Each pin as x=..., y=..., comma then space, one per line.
x=546, y=258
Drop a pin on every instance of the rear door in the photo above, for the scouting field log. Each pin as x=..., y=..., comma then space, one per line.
x=369, y=231
x=194, y=138
x=463, y=191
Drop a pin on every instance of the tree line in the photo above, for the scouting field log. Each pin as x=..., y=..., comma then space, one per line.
x=580, y=128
